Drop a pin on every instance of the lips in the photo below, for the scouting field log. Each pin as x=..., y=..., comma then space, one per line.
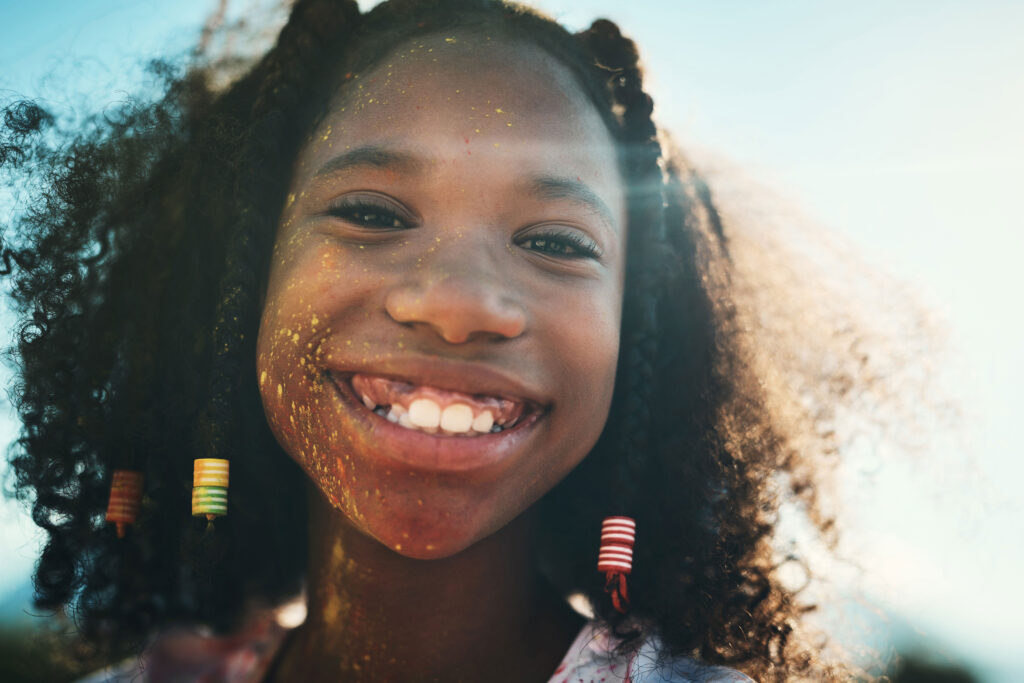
x=441, y=445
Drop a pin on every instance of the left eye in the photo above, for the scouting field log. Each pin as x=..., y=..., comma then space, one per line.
x=368, y=215
x=562, y=245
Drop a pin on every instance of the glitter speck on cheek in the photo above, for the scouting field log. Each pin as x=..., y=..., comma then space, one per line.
x=332, y=608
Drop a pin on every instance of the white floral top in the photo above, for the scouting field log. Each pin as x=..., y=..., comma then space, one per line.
x=591, y=659
x=246, y=657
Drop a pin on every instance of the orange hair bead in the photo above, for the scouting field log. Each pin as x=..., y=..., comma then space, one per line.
x=125, y=499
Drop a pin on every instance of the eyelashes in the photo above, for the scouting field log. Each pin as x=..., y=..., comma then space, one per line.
x=562, y=244
x=378, y=215
x=370, y=213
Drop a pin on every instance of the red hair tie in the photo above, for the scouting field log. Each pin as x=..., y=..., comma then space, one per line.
x=615, y=558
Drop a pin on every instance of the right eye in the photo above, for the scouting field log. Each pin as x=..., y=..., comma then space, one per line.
x=368, y=212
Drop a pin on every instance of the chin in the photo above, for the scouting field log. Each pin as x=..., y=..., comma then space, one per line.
x=424, y=533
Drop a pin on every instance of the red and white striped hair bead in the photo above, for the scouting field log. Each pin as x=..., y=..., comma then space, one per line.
x=125, y=499
x=617, y=537
x=615, y=558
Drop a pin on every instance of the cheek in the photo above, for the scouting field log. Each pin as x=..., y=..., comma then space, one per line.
x=587, y=337
x=293, y=395
x=288, y=384
x=312, y=293
x=307, y=283
x=591, y=336
x=294, y=319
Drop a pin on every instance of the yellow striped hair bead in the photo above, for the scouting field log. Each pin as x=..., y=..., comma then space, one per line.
x=210, y=488
x=125, y=499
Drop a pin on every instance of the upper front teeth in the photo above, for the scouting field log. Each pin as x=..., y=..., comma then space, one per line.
x=427, y=415
x=457, y=418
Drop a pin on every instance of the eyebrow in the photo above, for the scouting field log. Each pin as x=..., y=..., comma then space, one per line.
x=558, y=187
x=372, y=156
x=542, y=186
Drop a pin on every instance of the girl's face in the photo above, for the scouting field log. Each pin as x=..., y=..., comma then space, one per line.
x=440, y=335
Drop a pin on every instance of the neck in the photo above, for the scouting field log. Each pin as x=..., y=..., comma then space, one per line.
x=483, y=614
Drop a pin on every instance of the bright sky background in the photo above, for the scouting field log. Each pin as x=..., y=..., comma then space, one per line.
x=896, y=125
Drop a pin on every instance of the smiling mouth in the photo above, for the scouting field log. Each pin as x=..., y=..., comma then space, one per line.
x=432, y=410
x=441, y=448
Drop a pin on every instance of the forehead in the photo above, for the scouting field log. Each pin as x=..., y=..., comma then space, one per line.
x=472, y=99
x=438, y=67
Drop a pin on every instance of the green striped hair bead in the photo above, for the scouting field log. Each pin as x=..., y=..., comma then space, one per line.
x=210, y=488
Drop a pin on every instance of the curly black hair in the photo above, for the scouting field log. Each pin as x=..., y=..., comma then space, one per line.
x=138, y=265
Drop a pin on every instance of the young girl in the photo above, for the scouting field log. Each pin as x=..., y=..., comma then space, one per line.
x=406, y=311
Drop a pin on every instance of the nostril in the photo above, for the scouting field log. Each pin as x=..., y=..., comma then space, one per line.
x=458, y=310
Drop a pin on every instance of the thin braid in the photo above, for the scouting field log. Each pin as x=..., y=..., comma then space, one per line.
x=278, y=121
x=301, y=44
x=615, y=53
x=639, y=163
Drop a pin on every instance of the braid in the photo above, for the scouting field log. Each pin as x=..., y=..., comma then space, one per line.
x=627, y=460
x=617, y=54
x=618, y=57
x=300, y=48
x=279, y=116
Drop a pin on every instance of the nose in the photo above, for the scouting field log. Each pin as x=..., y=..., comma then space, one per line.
x=459, y=303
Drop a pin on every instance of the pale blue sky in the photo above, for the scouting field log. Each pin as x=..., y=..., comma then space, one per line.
x=894, y=124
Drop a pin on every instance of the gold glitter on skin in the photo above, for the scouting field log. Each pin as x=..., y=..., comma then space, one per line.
x=459, y=285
